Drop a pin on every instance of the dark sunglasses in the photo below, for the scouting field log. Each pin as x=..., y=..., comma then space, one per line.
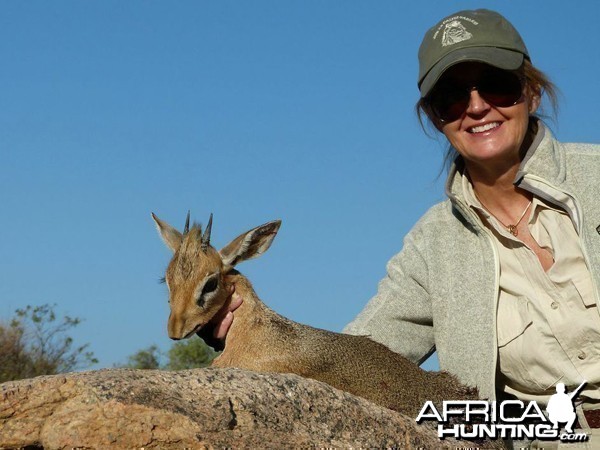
x=450, y=99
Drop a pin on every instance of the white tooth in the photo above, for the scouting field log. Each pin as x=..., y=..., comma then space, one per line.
x=486, y=127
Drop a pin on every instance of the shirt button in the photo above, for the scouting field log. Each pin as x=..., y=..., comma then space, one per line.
x=582, y=356
x=554, y=305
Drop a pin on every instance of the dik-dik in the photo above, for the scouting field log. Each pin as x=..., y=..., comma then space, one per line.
x=199, y=278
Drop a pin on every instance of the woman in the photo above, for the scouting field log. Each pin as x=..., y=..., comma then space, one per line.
x=502, y=278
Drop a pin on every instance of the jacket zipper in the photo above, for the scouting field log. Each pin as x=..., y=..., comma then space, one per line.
x=475, y=221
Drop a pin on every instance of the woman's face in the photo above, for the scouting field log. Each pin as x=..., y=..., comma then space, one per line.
x=485, y=134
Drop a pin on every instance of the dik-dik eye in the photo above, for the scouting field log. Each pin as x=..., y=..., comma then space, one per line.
x=210, y=286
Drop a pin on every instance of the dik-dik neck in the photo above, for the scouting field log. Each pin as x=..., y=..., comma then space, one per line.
x=252, y=310
x=245, y=343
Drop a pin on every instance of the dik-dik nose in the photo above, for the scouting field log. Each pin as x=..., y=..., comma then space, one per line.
x=176, y=328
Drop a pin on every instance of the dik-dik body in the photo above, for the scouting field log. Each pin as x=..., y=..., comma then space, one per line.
x=198, y=278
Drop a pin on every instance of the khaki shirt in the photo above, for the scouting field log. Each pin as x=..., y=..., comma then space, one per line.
x=548, y=322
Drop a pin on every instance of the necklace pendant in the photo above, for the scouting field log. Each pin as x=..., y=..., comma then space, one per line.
x=512, y=229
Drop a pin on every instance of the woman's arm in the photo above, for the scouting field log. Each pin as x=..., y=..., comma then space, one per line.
x=399, y=315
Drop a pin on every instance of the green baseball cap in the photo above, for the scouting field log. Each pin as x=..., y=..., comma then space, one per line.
x=480, y=35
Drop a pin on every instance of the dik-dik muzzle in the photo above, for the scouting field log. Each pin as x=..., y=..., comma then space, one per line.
x=197, y=274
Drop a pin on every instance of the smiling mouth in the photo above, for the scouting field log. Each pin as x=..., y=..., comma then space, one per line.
x=484, y=128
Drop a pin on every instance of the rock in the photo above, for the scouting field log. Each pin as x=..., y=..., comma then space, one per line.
x=202, y=408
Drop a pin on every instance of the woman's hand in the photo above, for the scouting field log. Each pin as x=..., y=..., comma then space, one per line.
x=224, y=318
x=215, y=332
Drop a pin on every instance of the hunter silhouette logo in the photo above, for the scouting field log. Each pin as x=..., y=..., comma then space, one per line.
x=560, y=407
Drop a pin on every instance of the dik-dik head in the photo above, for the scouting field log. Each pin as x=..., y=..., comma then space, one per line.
x=197, y=274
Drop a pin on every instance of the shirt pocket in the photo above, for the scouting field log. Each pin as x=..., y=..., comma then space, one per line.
x=583, y=285
x=521, y=360
x=514, y=320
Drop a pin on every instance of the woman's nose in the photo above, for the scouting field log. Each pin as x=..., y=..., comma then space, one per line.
x=477, y=105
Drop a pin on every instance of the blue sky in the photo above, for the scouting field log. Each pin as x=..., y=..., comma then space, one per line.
x=298, y=110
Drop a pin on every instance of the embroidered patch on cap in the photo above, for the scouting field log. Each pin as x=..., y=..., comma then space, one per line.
x=455, y=32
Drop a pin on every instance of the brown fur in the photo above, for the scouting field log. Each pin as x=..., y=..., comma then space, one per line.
x=261, y=340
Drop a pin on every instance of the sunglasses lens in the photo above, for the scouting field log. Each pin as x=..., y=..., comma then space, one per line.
x=449, y=103
x=501, y=88
x=449, y=100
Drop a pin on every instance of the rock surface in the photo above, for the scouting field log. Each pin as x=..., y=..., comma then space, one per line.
x=202, y=408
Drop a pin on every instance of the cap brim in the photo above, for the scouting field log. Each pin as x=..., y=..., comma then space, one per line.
x=494, y=56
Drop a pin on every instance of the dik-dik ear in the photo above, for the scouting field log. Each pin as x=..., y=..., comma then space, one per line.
x=250, y=244
x=170, y=235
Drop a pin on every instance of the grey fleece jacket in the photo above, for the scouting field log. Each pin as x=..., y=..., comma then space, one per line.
x=441, y=290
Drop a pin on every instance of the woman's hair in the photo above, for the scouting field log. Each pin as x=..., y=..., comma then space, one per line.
x=537, y=84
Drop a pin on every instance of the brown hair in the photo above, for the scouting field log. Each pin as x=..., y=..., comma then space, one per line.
x=537, y=84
